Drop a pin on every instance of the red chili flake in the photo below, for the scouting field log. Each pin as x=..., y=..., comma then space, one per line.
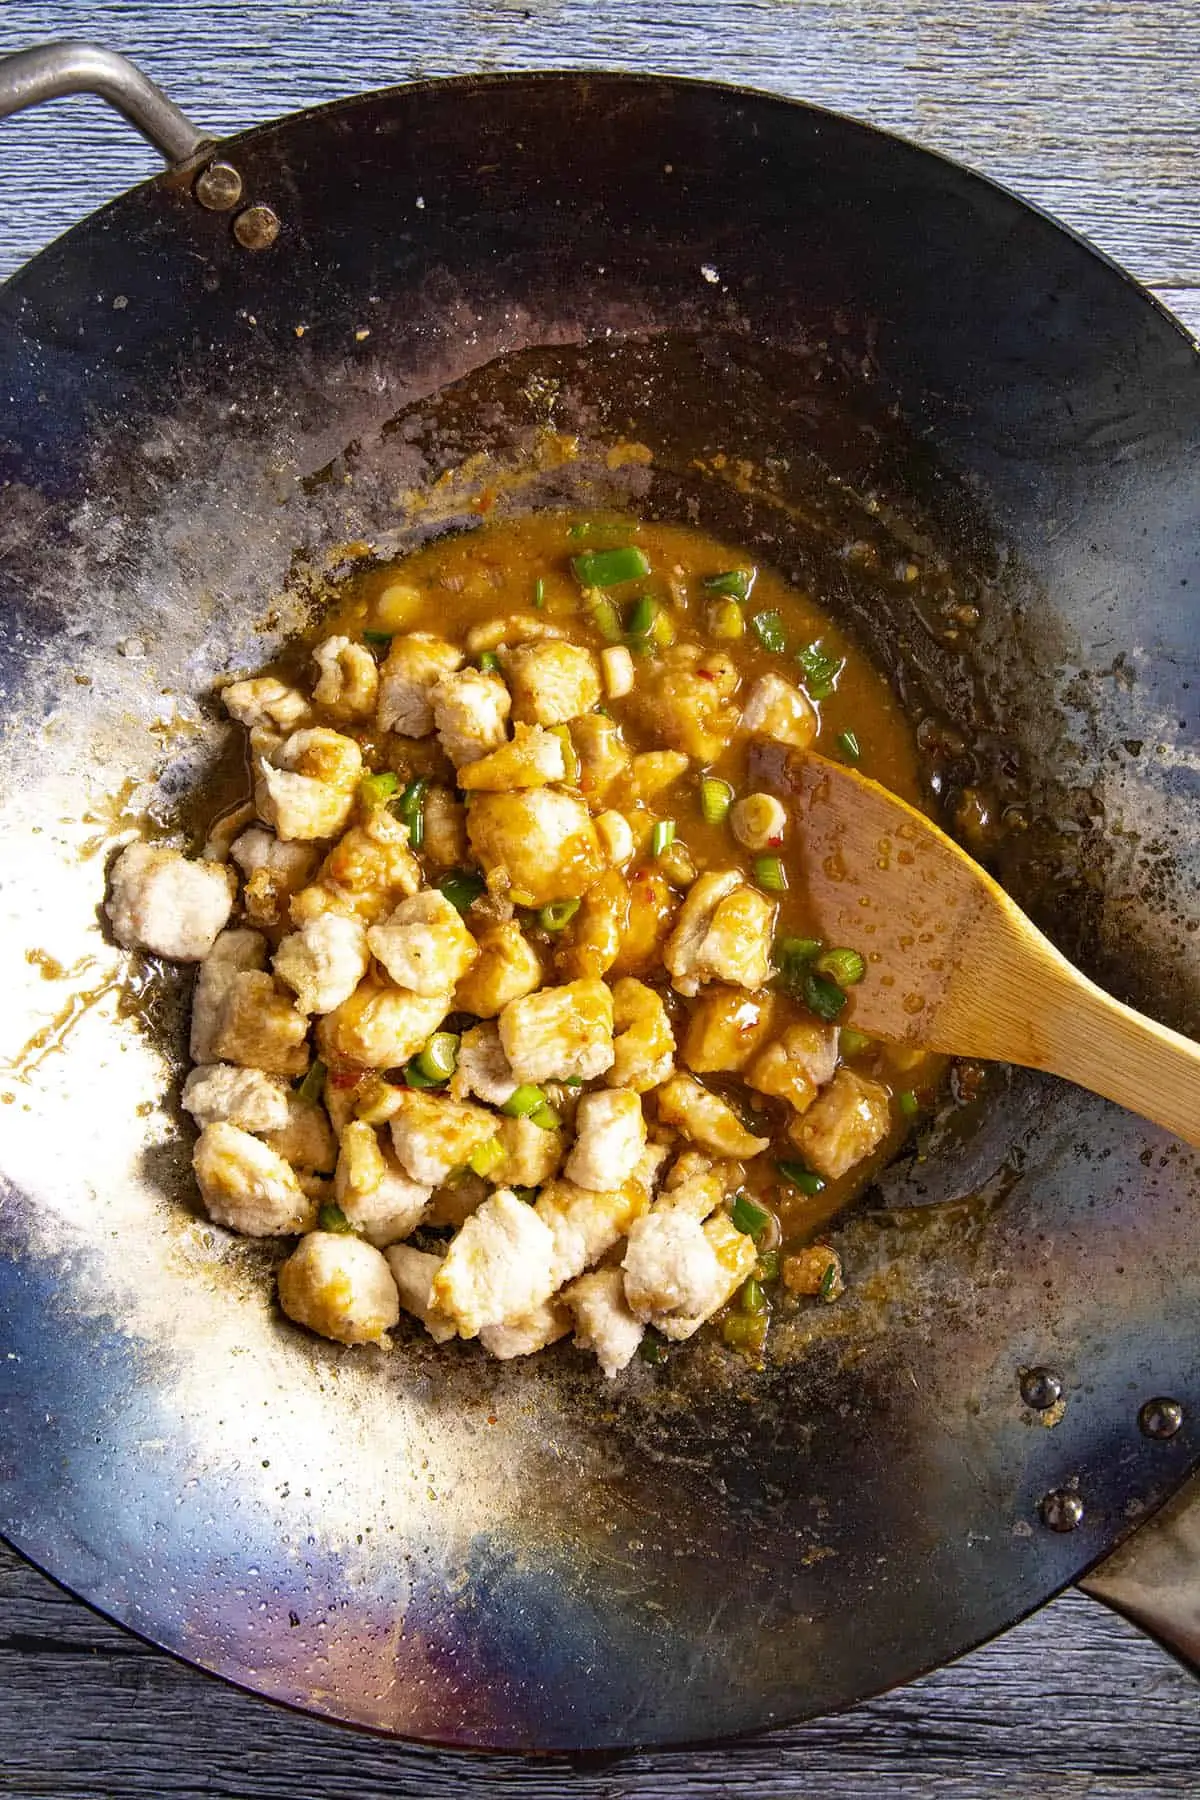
x=706, y=674
x=775, y=842
x=345, y=1078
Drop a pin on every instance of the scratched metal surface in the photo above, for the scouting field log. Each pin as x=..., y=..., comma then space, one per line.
x=904, y=51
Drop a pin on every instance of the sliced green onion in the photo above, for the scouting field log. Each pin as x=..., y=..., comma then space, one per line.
x=799, y=1177
x=908, y=1103
x=609, y=568
x=539, y=593
x=849, y=746
x=662, y=836
x=791, y=956
x=462, y=887
x=736, y=583
x=606, y=619
x=770, y=873
x=489, y=662
x=310, y=1089
x=417, y=1077
x=523, y=1100
x=767, y=1266
x=744, y=1331
x=642, y=615
x=768, y=629
x=852, y=1042
x=716, y=798
x=439, y=1058
x=545, y=1116
x=380, y=639
x=330, y=1217
x=747, y=1216
x=557, y=915
x=846, y=967
x=526, y=1194
x=377, y=790
x=652, y=1350
x=410, y=808
x=753, y=1300
x=573, y=1081
x=828, y=1281
x=486, y=1156
x=821, y=670
x=822, y=997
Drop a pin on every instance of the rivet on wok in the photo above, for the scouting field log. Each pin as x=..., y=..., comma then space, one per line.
x=1041, y=1389
x=1061, y=1510
x=256, y=228
x=1160, y=1418
x=218, y=187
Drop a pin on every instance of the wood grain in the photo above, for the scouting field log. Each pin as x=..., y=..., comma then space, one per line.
x=1087, y=107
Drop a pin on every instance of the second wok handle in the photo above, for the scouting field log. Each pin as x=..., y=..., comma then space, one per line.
x=72, y=66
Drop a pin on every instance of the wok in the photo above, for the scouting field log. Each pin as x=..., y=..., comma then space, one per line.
x=357, y=326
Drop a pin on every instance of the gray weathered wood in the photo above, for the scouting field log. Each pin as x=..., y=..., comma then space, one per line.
x=1088, y=107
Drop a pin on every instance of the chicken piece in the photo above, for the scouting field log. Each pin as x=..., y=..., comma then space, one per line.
x=220, y=1094
x=515, y=628
x=653, y=773
x=500, y=1266
x=247, y=1186
x=522, y=1337
x=592, y=941
x=424, y=945
x=433, y=1134
x=815, y=1271
x=413, y=1272
x=679, y=1272
x=559, y=1033
x=536, y=846
x=483, y=1069
x=380, y=1026
x=533, y=758
x=532, y=1155
x=697, y=1190
x=585, y=1223
x=652, y=908
x=365, y=875
x=723, y=933
x=265, y=703
x=603, y=1320
x=470, y=710
x=845, y=1123
x=159, y=901
x=616, y=838
x=223, y=833
x=776, y=709
x=273, y=872
x=796, y=1064
x=649, y=1167
x=453, y=1202
x=308, y=788
x=706, y=1119
x=604, y=757
x=759, y=822
x=726, y=1027
x=551, y=682
x=260, y=1028
x=305, y=1139
x=610, y=1137
x=643, y=1048
x=685, y=696
x=415, y=664
x=616, y=666
x=375, y=1194
x=506, y=969
x=323, y=962
x=445, y=842
x=232, y=953
x=349, y=681
x=339, y=1287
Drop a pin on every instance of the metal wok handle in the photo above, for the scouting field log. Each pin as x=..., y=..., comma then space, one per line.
x=72, y=66
x=1154, y=1577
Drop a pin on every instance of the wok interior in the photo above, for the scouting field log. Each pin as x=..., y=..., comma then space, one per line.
x=522, y=1554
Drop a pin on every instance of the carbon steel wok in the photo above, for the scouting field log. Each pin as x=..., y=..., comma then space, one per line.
x=218, y=390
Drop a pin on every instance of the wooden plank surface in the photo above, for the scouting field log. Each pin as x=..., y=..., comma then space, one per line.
x=1088, y=107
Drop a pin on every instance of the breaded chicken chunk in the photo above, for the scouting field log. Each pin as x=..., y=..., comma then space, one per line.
x=844, y=1124
x=723, y=933
x=380, y=1026
x=323, y=962
x=604, y=1322
x=507, y=968
x=610, y=1137
x=705, y=1118
x=339, y=1287
x=537, y=846
x=500, y=1266
x=423, y=944
x=415, y=664
x=560, y=1033
x=232, y=953
x=248, y=1186
x=551, y=682
x=349, y=680
x=221, y=1094
x=160, y=901
x=777, y=709
x=433, y=1134
x=470, y=710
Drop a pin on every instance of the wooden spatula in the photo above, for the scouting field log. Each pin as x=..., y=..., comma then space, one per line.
x=953, y=965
